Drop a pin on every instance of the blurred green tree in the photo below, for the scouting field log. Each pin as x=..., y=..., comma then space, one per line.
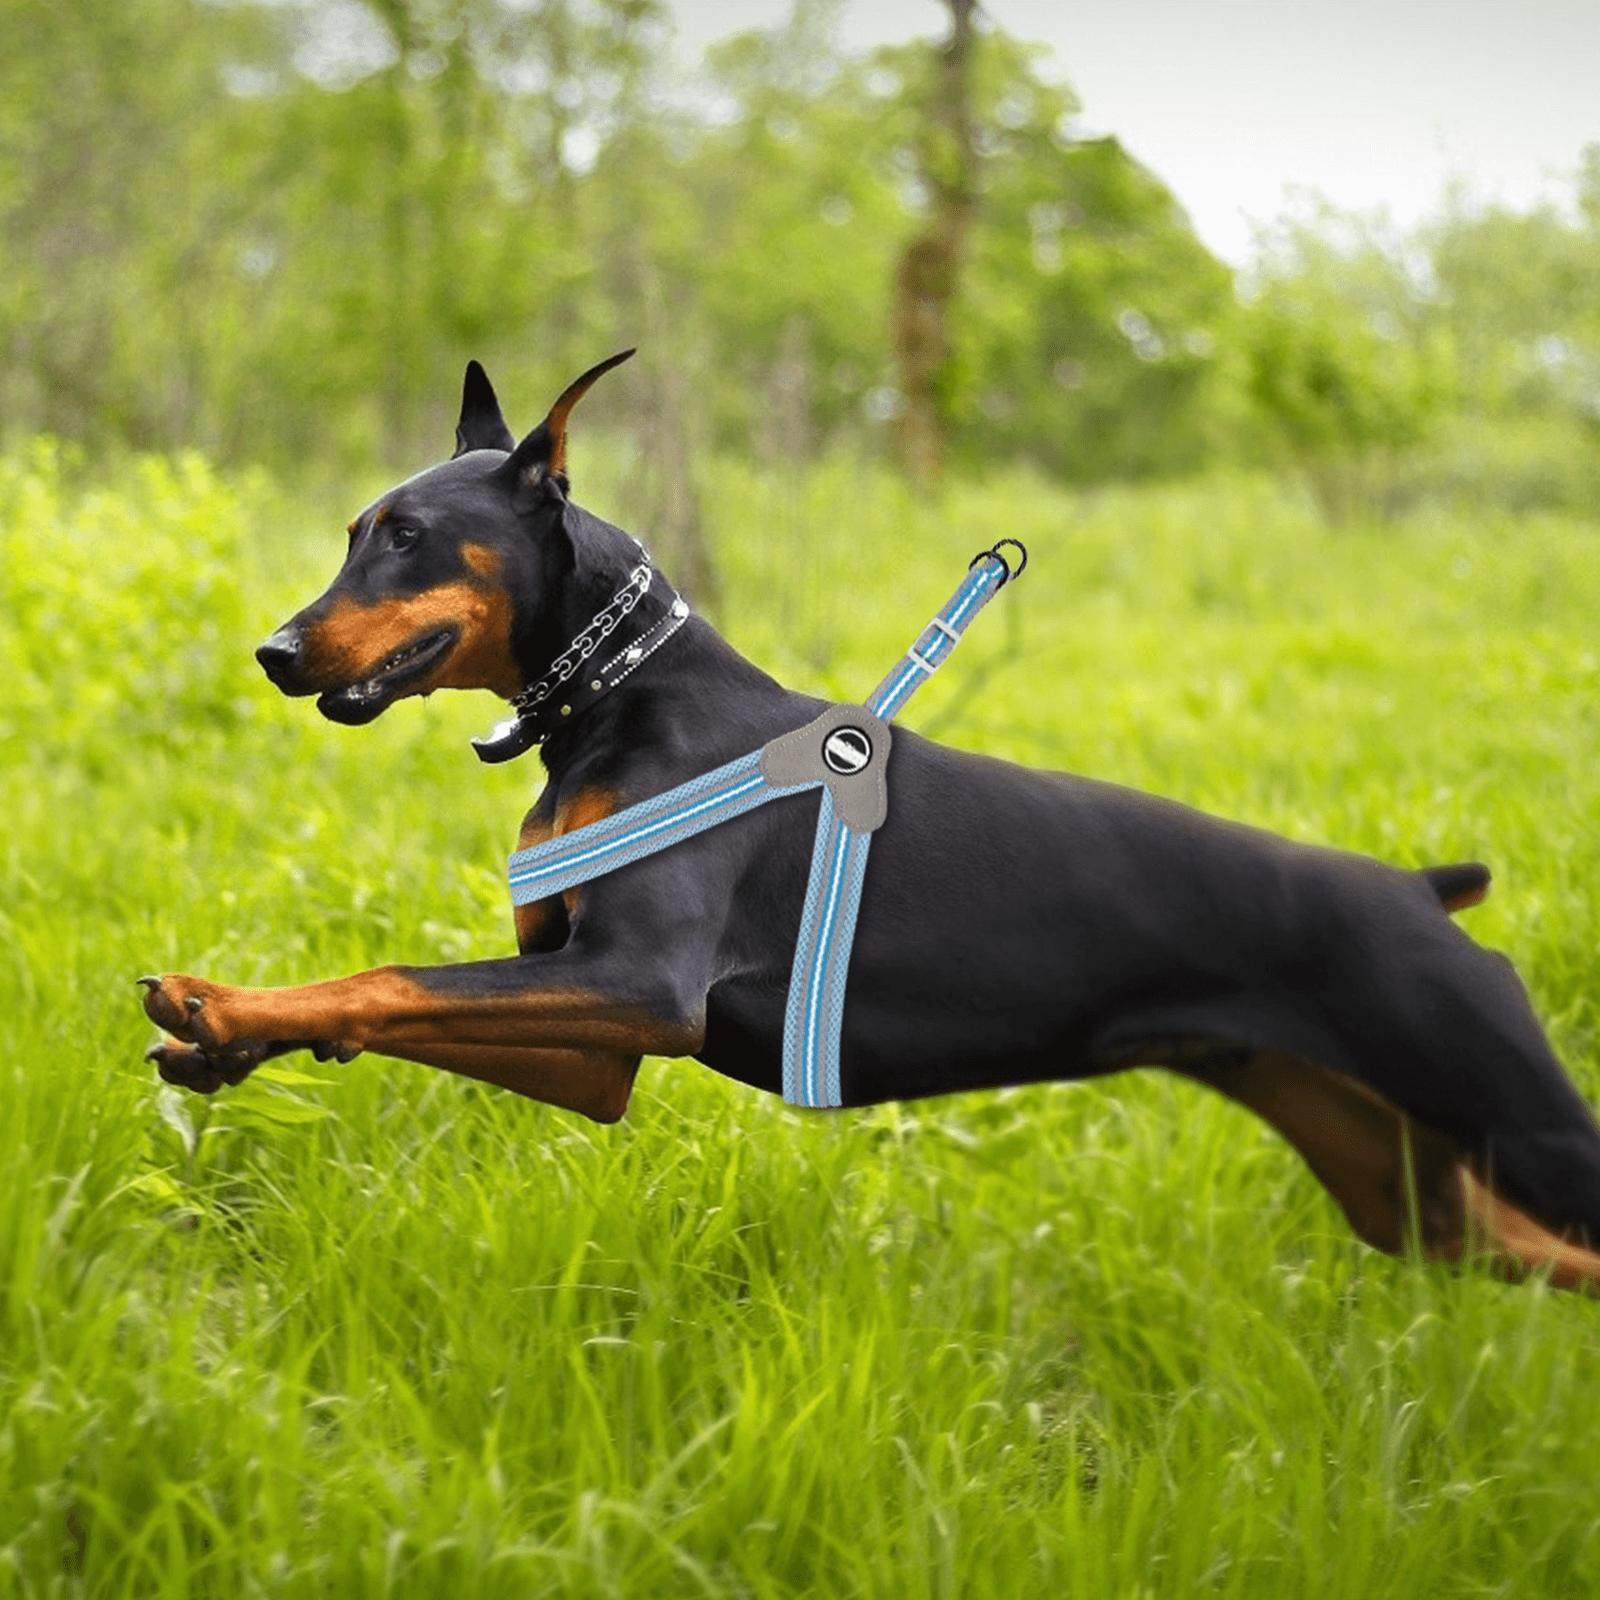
x=275, y=229
x=1343, y=358
x=1462, y=359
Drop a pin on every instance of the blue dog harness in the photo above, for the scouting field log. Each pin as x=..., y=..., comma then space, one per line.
x=845, y=753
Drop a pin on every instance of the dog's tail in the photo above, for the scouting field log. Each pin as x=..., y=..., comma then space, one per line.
x=1460, y=885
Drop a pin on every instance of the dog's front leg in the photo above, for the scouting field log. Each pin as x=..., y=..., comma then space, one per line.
x=190, y=1067
x=614, y=1003
x=595, y=1083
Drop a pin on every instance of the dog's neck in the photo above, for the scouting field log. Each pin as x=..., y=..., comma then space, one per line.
x=688, y=693
x=589, y=619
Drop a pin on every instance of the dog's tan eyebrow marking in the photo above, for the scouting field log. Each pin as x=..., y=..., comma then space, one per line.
x=378, y=515
x=482, y=560
x=351, y=526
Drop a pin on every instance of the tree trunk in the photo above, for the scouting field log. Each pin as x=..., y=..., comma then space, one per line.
x=665, y=492
x=668, y=491
x=930, y=267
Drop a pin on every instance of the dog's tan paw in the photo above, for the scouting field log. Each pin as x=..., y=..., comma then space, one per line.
x=190, y=1009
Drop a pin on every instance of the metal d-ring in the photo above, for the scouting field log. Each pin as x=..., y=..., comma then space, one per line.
x=993, y=552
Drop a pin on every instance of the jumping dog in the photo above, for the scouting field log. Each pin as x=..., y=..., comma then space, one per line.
x=1094, y=928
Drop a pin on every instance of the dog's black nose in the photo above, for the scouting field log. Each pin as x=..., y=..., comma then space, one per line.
x=279, y=654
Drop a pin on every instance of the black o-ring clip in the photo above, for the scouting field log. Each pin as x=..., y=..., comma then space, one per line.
x=993, y=552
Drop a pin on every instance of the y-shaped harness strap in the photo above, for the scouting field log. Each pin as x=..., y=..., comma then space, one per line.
x=845, y=753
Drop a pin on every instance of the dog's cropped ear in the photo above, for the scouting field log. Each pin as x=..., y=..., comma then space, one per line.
x=481, y=426
x=542, y=454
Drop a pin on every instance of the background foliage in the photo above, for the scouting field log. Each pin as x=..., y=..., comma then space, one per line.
x=273, y=230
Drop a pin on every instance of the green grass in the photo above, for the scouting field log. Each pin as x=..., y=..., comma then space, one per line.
x=390, y=1333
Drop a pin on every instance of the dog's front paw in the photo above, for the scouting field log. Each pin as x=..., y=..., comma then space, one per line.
x=190, y=1009
x=204, y=1071
x=342, y=1051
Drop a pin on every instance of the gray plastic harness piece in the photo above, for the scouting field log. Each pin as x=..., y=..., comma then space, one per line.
x=846, y=748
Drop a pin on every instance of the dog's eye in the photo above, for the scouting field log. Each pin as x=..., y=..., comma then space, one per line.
x=402, y=538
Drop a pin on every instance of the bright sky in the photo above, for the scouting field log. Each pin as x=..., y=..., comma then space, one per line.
x=1235, y=103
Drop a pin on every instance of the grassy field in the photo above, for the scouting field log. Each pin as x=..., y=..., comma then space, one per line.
x=369, y=1330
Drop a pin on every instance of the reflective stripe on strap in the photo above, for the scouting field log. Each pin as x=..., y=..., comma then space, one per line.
x=933, y=645
x=814, y=1015
x=641, y=830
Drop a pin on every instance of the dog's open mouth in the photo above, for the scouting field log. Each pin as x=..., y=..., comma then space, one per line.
x=360, y=702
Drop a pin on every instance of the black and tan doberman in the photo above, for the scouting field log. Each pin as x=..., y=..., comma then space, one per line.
x=1016, y=925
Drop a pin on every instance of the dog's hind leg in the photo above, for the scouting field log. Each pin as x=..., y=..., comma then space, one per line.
x=1401, y=1185
x=1444, y=1030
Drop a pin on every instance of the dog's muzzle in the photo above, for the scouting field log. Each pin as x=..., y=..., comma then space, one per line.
x=281, y=658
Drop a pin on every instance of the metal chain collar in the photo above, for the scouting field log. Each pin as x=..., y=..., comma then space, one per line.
x=589, y=639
